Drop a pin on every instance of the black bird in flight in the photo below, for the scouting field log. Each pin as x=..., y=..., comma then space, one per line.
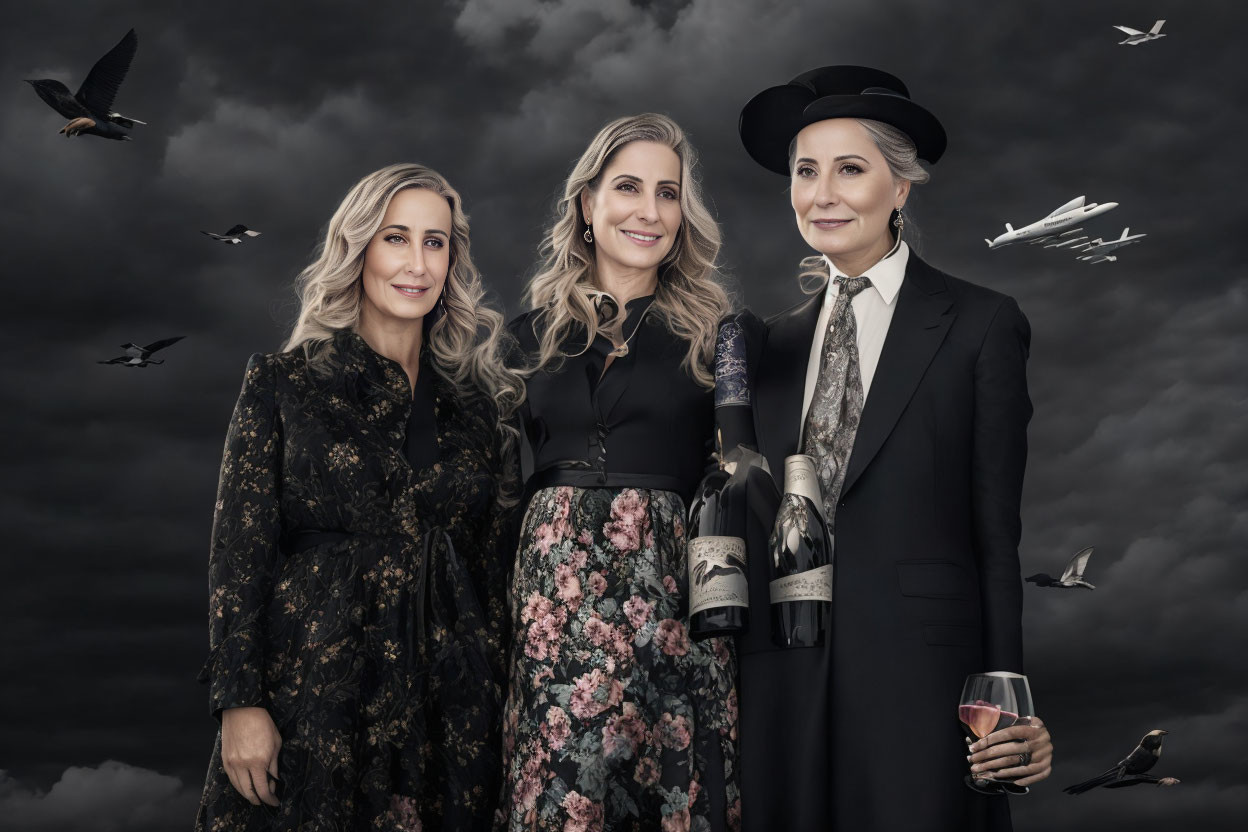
x=90, y=110
x=1130, y=770
x=702, y=575
x=137, y=356
x=234, y=236
x=1072, y=577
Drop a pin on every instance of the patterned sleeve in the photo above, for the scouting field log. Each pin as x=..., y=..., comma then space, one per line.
x=502, y=538
x=244, y=551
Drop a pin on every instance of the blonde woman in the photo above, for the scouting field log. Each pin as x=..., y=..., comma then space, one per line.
x=356, y=608
x=615, y=719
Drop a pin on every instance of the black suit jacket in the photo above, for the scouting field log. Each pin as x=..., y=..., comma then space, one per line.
x=863, y=734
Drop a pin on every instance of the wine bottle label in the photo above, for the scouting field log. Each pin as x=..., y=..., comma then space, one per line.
x=811, y=585
x=800, y=478
x=731, y=385
x=717, y=573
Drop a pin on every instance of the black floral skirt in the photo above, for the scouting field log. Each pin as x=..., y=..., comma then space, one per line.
x=379, y=686
x=615, y=719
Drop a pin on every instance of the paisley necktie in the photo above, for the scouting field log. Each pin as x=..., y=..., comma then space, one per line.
x=836, y=407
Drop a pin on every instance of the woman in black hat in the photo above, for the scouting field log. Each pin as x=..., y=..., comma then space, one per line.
x=908, y=388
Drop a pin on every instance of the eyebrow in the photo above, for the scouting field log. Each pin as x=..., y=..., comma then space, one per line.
x=409, y=231
x=837, y=159
x=637, y=179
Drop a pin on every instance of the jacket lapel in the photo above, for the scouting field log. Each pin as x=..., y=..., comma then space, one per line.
x=781, y=381
x=917, y=330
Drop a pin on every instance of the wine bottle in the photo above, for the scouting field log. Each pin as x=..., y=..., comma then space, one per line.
x=718, y=601
x=718, y=586
x=734, y=413
x=801, y=560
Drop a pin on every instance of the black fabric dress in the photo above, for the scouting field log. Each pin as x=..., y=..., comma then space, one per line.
x=615, y=718
x=357, y=593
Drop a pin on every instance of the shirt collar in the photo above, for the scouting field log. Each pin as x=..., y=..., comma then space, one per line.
x=357, y=358
x=886, y=275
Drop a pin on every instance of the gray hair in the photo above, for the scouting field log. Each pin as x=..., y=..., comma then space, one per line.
x=902, y=158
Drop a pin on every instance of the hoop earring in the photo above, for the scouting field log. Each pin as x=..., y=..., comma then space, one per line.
x=589, y=233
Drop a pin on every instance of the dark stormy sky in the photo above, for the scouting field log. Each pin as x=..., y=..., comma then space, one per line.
x=265, y=113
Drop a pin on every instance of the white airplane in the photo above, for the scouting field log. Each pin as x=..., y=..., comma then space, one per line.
x=1100, y=247
x=1071, y=213
x=1135, y=36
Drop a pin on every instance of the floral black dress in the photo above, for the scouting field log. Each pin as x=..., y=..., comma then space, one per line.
x=615, y=719
x=357, y=592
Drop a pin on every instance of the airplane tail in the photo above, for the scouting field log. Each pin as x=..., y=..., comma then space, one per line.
x=989, y=242
x=1157, y=27
x=1009, y=227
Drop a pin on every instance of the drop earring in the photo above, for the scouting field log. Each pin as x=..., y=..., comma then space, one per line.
x=589, y=233
x=899, y=223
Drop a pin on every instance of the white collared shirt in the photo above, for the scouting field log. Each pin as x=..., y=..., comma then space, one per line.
x=873, y=312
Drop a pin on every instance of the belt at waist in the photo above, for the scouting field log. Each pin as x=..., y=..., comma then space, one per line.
x=301, y=540
x=588, y=478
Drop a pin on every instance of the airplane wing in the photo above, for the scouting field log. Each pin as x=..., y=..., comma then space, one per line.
x=1129, y=31
x=1074, y=569
x=235, y=230
x=1157, y=27
x=1077, y=202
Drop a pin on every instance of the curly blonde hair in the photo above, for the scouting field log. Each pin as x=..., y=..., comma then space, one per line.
x=688, y=297
x=464, y=341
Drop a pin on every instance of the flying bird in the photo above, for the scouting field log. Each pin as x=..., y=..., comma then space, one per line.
x=234, y=236
x=702, y=575
x=1136, y=37
x=137, y=356
x=1130, y=769
x=1072, y=577
x=90, y=110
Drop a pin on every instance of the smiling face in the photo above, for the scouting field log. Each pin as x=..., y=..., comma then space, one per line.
x=635, y=209
x=844, y=193
x=406, y=262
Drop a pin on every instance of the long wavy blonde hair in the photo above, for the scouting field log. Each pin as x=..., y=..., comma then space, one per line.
x=688, y=297
x=464, y=341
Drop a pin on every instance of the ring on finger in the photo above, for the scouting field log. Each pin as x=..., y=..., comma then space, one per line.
x=1024, y=759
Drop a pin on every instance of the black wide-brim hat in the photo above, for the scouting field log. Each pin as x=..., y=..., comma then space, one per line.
x=771, y=119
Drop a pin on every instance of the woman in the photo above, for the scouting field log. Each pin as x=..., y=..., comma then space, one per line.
x=615, y=719
x=909, y=389
x=357, y=604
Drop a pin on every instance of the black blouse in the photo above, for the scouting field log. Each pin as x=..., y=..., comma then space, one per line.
x=644, y=423
x=420, y=445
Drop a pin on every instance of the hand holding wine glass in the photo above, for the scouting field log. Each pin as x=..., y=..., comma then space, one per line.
x=1000, y=754
x=1010, y=741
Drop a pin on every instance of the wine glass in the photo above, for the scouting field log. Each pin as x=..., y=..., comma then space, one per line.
x=990, y=702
